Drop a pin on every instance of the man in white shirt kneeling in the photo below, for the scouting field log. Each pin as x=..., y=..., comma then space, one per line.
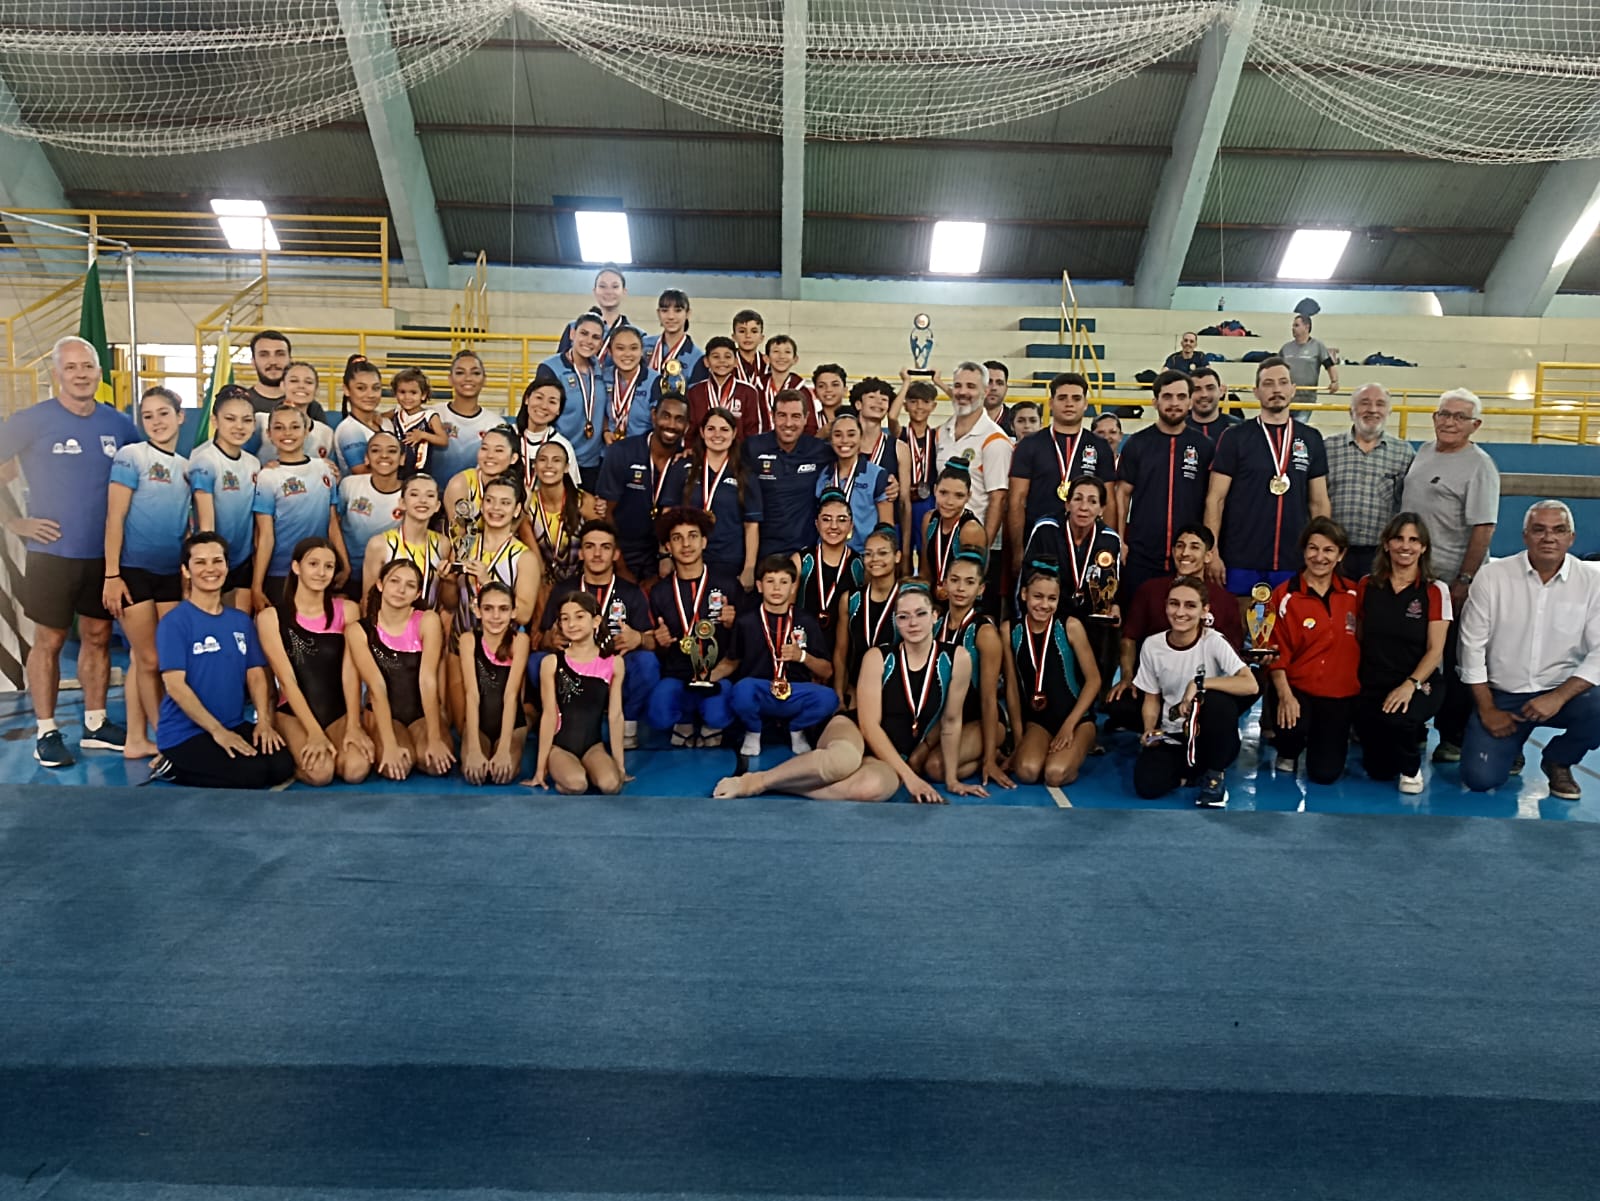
x=1530, y=652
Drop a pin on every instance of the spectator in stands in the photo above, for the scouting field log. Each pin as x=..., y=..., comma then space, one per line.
x=1307, y=357
x=1162, y=480
x=1366, y=476
x=973, y=437
x=1269, y=477
x=1205, y=401
x=1455, y=487
x=994, y=395
x=1044, y=465
x=1187, y=359
x=610, y=290
x=211, y=663
x=1530, y=653
x=1109, y=427
x=65, y=446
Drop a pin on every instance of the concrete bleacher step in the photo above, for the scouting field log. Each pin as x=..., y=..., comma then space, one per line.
x=1052, y=325
x=1049, y=350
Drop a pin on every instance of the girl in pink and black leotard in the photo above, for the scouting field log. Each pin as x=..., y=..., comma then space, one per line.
x=581, y=688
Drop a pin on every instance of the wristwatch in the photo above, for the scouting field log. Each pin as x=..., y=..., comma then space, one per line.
x=1463, y=577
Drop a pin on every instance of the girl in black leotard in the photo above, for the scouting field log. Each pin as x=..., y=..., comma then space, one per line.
x=1043, y=658
x=580, y=688
x=492, y=662
x=950, y=526
x=865, y=617
x=396, y=648
x=320, y=693
x=985, y=730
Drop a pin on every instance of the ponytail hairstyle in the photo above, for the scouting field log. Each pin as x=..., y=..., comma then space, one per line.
x=512, y=441
x=356, y=364
x=503, y=651
x=977, y=558
x=1042, y=566
x=374, y=601
x=586, y=602
x=291, y=586
x=571, y=496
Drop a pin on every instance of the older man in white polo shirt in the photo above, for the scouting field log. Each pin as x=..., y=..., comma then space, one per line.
x=973, y=437
x=1530, y=652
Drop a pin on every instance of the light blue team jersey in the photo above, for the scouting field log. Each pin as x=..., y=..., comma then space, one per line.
x=350, y=444
x=689, y=357
x=570, y=424
x=158, y=512
x=319, y=441
x=299, y=499
x=865, y=490
x=231, y=484
x=364, y=513
x=644, y=399
x=465, y=434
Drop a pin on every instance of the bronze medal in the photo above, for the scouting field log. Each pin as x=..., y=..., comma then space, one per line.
x=588, y=430
x=1039, y=702
x=781, y=690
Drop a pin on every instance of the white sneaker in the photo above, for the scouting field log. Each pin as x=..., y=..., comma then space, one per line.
x=798, y=743
x=630, y=735
x=1411, y=785
x=751, y=746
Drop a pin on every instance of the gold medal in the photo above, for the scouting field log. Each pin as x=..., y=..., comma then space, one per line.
x=686, y=644
x=1279, y=485
x=1261, y=593
x=588, y=430
x=780, y=689
x=1062, y=491
x=1103, y=559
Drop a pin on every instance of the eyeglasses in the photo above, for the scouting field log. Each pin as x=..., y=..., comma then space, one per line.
x=1444, y=416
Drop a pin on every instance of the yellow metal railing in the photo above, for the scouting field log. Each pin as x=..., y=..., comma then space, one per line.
x=1569, y=401
x=329, y=250
x=1085, y=359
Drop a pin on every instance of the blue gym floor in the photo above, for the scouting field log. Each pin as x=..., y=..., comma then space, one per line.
x=1106, y=781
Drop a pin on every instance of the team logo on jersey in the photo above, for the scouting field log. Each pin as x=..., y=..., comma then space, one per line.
x=618, y=616
x=327, y=482
x=1302, y=457
x=1091, y=458
x=967, y=455
x=1414, y=609
x=451, y=430
x=230, y=482
x=238, y=640
x=806, y=469
x=361, y=507
x=769, y=467
x=70, y=447
x=1191, y=462
x=160, y=473
x=207, y=646
x=294, y=486
x=108, y=444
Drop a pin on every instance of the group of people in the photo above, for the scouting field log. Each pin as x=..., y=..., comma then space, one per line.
x=699, y=541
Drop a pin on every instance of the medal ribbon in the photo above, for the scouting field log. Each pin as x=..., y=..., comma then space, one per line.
x=1065, y=461
x=622, y=402
x=603, y=598
x=775, y=643
x=693, y=613
x=1280, y=454
x=873, y=630
x=943, y=545
x=660, y=356
x=709, y=483
x=919, y=461
x=849, y=484
x=946, y=634
x=587, y=394
x=875, y=455
x=658, y=480
x=917, y=704
x=545, y=530
x=1040, y=657
x=1080, y=574
x=827, y=601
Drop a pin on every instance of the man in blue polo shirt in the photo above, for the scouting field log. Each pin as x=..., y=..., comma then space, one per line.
x=787, y=461
x=1268, y=478
x=1162, y=478
x=640, y=477
x=64, y=446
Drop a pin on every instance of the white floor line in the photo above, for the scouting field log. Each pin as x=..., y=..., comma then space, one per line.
x=1059, y=797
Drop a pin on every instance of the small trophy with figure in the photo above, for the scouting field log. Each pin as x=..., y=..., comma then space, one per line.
x=1258, y=622
x=672, y=381
x=1103, y=586
x=463, y=534
x=700, y=644
x=921, y=345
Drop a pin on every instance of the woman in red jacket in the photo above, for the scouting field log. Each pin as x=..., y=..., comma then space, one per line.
x=1316, y=670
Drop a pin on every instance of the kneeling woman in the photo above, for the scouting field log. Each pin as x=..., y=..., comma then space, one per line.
x=985, y=734
x=907, y=698
x=1189, y=665
x=210, y=658
x=396, y=648
x=319, y=691
x=493, y=726
x=581, y=688
x=1044, y=656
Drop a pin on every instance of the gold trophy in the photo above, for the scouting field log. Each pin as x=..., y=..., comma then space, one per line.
x=1101, y=590
x=672, y=381
x=700, y=644
x=1258, y=622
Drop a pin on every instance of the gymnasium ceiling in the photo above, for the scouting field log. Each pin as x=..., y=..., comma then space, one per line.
x=518, y=131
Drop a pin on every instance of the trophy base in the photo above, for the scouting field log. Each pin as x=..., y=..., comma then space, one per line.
x=702, y=687
x=920, y=372
x=1102, y=618
x=1259, y=656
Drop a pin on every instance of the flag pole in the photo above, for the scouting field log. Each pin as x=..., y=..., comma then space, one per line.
x=133, y=330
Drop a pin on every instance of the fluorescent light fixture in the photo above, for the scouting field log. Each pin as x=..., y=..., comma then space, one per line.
x=957, y=247
x=603, y=237
x=1582, y=230
x=245, y=225
x=1313, y=253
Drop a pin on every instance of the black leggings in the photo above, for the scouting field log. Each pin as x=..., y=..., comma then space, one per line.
x=1162, y=767
x=1391, y=743
x=1322, y=733
x=201, y=763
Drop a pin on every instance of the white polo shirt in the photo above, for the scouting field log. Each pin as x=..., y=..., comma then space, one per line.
x=987, y=451
x=1520, y=634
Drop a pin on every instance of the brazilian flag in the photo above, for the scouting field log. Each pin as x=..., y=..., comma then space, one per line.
x=92, y=329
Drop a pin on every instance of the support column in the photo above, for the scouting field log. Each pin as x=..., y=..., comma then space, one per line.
x=412, y=207
x=1553, y=231
x=1182, y=192
x=794, y=144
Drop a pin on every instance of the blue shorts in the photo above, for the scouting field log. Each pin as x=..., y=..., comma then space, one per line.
x=1241, y=579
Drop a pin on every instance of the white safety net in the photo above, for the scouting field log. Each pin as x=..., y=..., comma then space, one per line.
x=1474, y=80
